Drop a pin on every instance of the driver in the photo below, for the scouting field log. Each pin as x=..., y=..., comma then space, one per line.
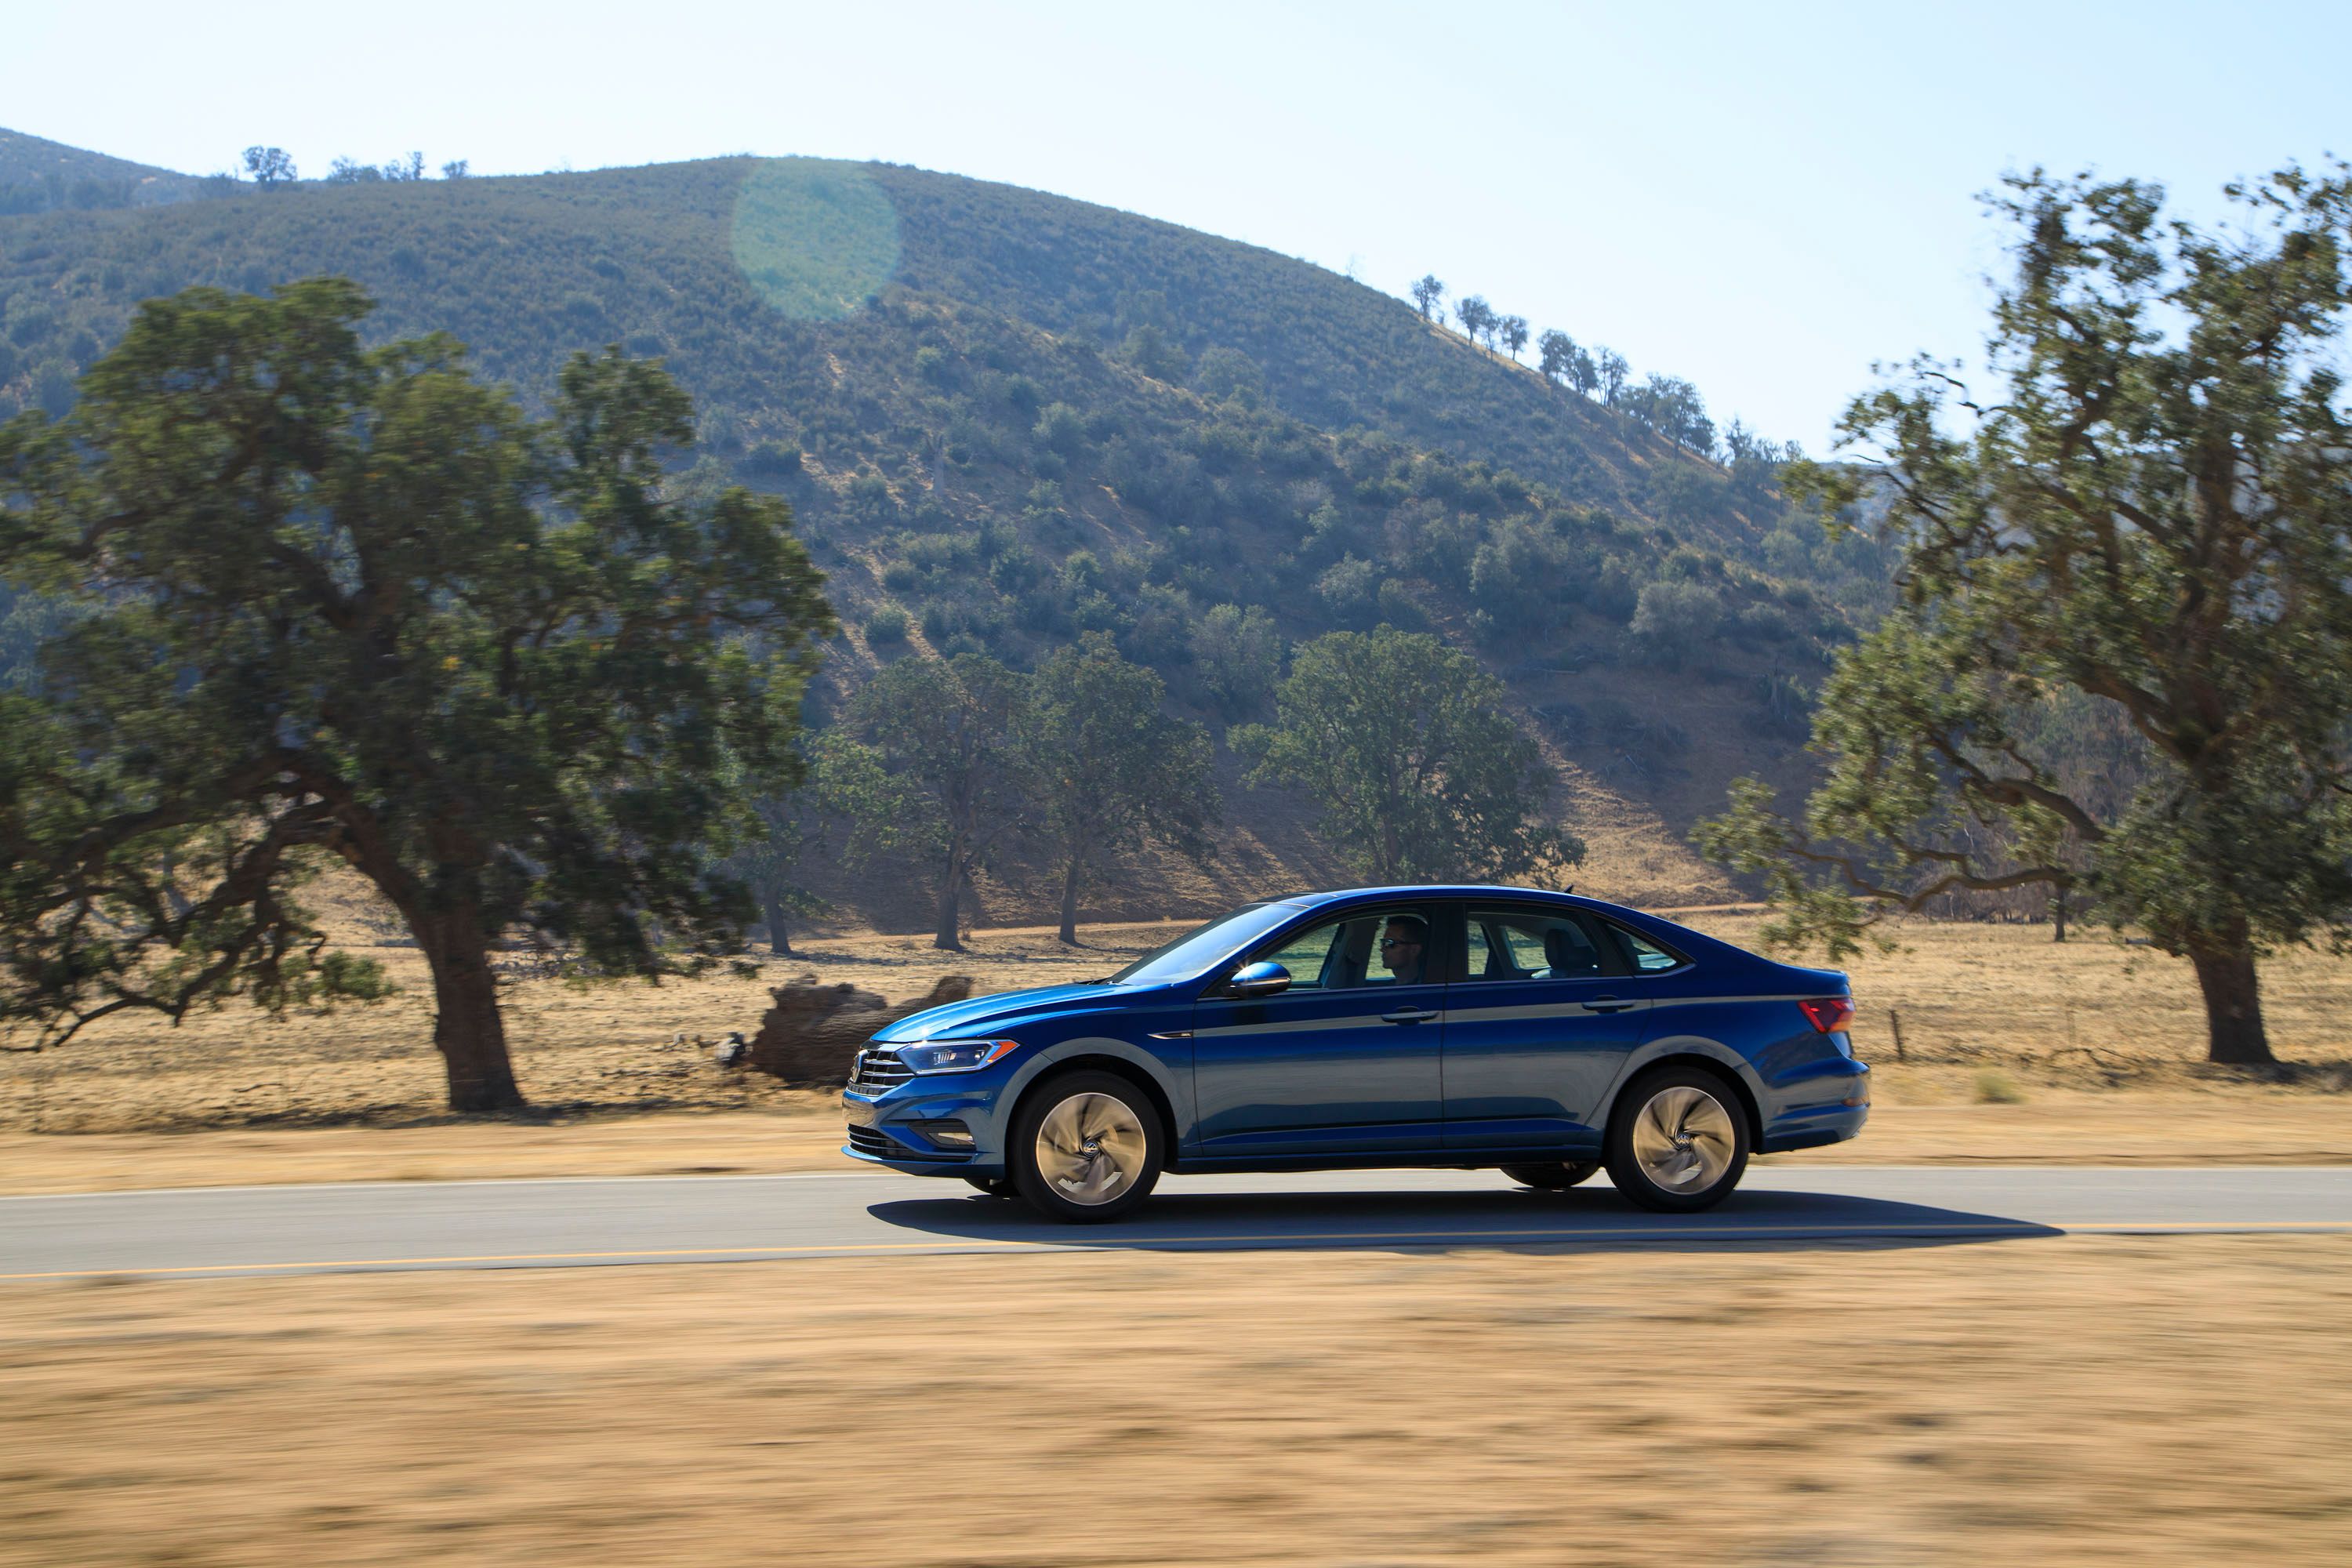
x=1401, y=946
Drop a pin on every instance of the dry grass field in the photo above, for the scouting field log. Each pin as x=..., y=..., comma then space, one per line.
x=2080, y=1400
x=2013, y=1047
x=2077, y=1399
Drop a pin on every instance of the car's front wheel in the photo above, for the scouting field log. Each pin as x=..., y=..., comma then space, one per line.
x=1555, y=1177
x=1678, y=1142
x=1086, y=1147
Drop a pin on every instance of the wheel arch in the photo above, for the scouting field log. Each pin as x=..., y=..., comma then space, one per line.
x=1088, y=1057
x=1716, y=1060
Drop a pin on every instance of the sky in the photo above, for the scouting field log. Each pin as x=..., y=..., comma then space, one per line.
x=1762, y=199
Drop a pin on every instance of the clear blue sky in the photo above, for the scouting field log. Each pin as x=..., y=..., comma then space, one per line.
x=1761, y=198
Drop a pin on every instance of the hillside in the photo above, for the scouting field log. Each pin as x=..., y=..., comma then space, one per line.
x=1005, y=417
x=36, y=175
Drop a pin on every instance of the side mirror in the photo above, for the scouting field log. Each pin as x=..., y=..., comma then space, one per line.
x=1263, y=978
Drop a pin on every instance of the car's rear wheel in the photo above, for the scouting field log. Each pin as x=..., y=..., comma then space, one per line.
x=1678, y=1142
x=995, y=1186
x=1086, y=1147
x=1555, y=1177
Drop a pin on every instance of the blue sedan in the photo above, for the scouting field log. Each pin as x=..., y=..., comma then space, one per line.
x=1541, y=1033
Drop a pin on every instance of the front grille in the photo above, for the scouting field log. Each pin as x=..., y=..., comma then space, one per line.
x=879, y=1069
x=866, y=1141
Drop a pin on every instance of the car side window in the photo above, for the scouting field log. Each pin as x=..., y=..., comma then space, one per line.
x=1363, y=949
x=1643, y=955
x=1532, y=944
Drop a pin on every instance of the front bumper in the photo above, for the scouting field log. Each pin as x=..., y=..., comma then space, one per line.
x=887, y=1126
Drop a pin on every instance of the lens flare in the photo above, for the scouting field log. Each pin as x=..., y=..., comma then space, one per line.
x=814, y=237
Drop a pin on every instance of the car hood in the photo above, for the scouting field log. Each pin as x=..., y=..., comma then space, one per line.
x=984, y=1015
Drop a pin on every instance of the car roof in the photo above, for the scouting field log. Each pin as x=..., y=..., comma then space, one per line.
x=1429, y=891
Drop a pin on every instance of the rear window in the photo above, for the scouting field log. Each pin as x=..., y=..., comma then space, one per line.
x=1642, y=955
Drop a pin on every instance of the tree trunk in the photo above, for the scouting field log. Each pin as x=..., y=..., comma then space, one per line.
x=466, y=1028
x=2058, y=918
x=1070, y=902
x=780, y=939
x=951, y=889
x=2234, y=1007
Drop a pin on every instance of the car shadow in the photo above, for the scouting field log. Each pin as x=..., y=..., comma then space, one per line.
x=1587, y=1219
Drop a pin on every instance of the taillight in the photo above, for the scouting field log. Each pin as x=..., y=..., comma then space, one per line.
x=1828, y=1014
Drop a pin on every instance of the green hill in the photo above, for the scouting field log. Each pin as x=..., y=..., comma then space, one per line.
x=1005, y=417
x=43, y=177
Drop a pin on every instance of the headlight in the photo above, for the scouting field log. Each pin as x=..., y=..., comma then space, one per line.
x=953, y=1056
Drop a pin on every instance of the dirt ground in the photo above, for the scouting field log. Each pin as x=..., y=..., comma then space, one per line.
x=2013, y=1048
x=2077, y=1400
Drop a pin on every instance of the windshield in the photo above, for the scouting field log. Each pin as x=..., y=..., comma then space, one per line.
x=1196, y=950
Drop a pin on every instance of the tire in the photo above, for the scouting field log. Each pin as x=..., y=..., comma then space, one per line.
x=1555, y=1177
x=1677, y=1141
x=994, y=1186
x=1086, y=1147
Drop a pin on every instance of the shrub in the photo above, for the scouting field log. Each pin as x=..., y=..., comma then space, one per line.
x=1672, y=619
x=1997, y=1088
x=1060, y=428
x=1347, y=589
x=887, y=626
x=774, y=457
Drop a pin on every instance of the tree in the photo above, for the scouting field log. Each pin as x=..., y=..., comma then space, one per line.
x=1673, y=409
x=1582, y=374
x=269, y=167
x=1401, y=741
x=456, y=169
x=927, y=765
x=1238, y=654
x=1556, y=353
x=1475, y=316
x=2153, y=515
x=353, y=602
x=1426, y=293
x=1111, y=769
x=790, y=821
x=1514, y=331
x=1609, y=372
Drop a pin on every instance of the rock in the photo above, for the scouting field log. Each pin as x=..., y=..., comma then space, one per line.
x=808, y=1036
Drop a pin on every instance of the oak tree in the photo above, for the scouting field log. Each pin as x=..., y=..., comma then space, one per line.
x=925, y=764
x=1403, y=743
x=334, y=601
x=1109, y=769
x=2150, y=513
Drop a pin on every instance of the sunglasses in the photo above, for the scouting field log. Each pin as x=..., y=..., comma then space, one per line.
x=1399, y=941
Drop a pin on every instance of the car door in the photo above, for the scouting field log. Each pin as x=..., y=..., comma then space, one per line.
x=1344, y=1061
x=1538, y=1019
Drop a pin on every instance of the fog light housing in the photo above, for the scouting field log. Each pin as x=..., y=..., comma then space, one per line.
x=947, y=1134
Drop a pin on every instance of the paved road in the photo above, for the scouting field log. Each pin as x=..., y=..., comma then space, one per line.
x=572, y=1223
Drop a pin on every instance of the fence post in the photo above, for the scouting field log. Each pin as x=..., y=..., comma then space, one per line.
x=1895, y=1022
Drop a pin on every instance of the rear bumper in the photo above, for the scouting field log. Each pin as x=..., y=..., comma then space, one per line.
x=1828, y=1109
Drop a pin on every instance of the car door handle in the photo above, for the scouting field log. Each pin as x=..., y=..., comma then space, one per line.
x=1409, y=1016
x=1604, y=1005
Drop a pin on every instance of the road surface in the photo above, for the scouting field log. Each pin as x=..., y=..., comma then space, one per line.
x=590, y=1221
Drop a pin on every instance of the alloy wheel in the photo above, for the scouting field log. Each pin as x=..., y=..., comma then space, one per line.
x=1684, y=1138
x=1091, y=1148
